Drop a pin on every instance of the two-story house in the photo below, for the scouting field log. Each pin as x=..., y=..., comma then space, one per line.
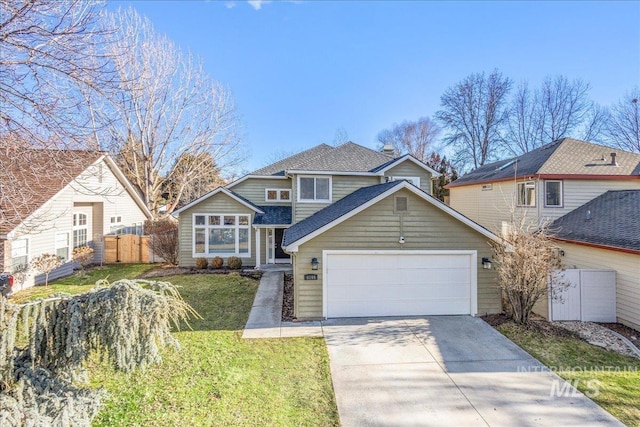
x=361, y=229
x=58, y=200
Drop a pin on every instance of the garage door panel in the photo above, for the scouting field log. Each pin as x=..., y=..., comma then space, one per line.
x=395, y=284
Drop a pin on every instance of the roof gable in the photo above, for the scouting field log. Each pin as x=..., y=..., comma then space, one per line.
x=232, y=194
x=358, y=201
x=612, y=219
x=406, y=158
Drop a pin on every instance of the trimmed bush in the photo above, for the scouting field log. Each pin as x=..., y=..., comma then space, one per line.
x=164, y=239
x=234, y=263
x=201, y=263
x=217, y=262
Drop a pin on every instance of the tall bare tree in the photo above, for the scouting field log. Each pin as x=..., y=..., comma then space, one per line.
x=413, y=137
x=50, y=51
x=559, y=107
x=165, y=108
x=473, y=114
x=623, y=127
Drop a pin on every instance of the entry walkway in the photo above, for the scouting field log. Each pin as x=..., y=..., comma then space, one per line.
x=265, y=319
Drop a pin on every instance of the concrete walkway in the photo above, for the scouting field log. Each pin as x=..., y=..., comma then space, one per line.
x=265, y=318
x=446, y=371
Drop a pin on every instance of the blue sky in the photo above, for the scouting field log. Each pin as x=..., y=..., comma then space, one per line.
x=299, y=71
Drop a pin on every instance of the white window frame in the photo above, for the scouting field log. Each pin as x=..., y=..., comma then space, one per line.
x=415, y=180
x=117, y=218
x=526, y=184
x=66, y=245
x=561, y=193
x=77, y=227
x=279, y=192
x=27, y=246
x=315, y=178
x=237, y=227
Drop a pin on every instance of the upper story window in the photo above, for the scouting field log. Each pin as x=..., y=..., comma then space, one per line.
x=553, y=194
x=277, y=195
x=415, y=180
x=526, y=194
x=314, y=189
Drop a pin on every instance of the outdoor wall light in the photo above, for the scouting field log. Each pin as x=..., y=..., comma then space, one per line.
x=314, y=263
x=401, y=241
x=486, y=263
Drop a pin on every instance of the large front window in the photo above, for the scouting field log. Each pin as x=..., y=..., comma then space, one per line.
x=553, y=194
x=223, y=235
x=527, y=194
x=314, y=189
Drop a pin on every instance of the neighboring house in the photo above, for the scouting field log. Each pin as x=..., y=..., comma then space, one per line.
x=361, y=229
x=544, y=184
x=75, y=198
x=605, y=234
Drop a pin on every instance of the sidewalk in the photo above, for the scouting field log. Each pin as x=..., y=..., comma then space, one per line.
x=265, y=319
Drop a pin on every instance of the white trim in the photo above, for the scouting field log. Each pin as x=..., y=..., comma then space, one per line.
x=345, y=173
x=67, y=247
x=472, y=253
x=433, y=172
x=314, y=200
x=213, y=193
x=544, y=194
x=408, y=178
x=258, y=260
x=278, y=195
x=127, y=185
x=208, y=227
x=293, y=247
x=244, y=178
x=27, y=239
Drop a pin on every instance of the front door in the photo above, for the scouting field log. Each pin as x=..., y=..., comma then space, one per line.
x=280, y=254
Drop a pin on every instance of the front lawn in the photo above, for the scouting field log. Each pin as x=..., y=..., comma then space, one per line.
x=615, y=379
x=218, y=378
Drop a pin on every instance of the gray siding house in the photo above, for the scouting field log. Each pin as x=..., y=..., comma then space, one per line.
x=361, y=229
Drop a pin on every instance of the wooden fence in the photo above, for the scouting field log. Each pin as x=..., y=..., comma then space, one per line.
x=126, y=249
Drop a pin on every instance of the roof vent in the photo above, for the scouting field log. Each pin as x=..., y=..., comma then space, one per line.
x=588, y=215
x=388, y=149
x=613, y=160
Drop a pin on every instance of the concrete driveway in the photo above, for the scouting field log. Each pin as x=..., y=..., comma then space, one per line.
x=445, y=371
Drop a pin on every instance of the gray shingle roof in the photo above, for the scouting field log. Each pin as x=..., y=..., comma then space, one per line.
x=335, y=211
x=273, y=215
x=614, y=221
x=293, y=162
x=348, y=157
x=566, y=156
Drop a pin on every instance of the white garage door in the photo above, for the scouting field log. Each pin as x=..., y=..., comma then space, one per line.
x=399, y=283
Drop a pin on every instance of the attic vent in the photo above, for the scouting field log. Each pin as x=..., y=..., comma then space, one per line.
x=401, y=204
x=388, y=149
x=487, y=187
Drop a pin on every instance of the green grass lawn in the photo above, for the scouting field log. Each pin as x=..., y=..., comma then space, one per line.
x=218, y=378
x=617, y=376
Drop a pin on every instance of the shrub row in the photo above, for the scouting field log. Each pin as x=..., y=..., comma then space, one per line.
x=234, y=263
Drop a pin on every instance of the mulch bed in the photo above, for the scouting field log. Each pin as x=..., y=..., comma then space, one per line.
x=287, y=300
x=630, y=334
x=536, y=324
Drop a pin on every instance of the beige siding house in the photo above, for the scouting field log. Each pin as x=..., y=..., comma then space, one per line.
x=355, y=214
x=66, y=210
x=544, y=184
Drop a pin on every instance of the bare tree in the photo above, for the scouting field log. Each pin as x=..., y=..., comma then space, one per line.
x=448, y=174
x=340, y=137
x=623, y=127
x=473, y=114
x=50, y=52
x=559, y=108
x=413, y=137
x=165, y=108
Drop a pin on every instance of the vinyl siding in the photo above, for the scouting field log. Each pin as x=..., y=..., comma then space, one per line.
x=99, y=196
x=377, y=227
x=342, y=185
x=217, y=204
x=627, y=268
x=492, y=208
x=254, y=190
x=408, y=168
